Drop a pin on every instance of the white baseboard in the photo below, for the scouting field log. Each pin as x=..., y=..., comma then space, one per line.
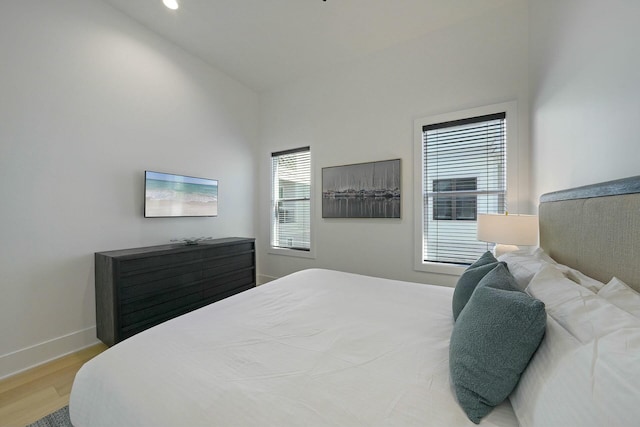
x=30, y=357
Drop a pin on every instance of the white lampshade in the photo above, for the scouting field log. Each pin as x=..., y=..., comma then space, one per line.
x=508, y=229
x=171, y=4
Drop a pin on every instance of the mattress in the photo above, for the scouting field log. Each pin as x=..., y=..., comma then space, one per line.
x=315, y=348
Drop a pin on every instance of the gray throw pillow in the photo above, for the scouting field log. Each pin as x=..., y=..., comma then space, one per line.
x=492, y=342
x=469, y=280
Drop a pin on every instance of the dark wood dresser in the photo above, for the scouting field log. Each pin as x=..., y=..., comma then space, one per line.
x=139, y=288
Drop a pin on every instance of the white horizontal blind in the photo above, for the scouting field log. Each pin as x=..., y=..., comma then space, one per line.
x=291, y=199
x=464, y=175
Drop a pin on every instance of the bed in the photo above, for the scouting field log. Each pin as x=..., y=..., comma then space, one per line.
x=328, y=348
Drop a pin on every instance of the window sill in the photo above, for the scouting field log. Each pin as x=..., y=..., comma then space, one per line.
x=291, y=252
x=440, y=268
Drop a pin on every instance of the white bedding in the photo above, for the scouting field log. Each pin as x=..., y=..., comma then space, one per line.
x=316, y=348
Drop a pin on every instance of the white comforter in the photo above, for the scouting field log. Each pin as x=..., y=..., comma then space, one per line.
x=316, y=348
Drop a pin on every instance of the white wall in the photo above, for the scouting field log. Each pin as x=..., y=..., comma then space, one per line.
x=364, y=111
x=585, y=60
x=89, y=99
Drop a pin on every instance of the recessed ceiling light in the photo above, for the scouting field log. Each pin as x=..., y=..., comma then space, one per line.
x=171, y=4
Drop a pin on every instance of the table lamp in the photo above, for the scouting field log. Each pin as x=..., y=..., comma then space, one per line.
x=508, y=231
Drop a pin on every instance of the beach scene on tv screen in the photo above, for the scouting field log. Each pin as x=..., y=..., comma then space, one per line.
x=176, y=195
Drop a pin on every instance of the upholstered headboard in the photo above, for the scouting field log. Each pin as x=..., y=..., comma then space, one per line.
x=595, y=229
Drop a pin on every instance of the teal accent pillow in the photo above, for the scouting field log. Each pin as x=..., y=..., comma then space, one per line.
x=469, y=280
x=496, y=334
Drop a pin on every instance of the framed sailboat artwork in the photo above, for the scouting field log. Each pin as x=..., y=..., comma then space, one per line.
x=362, y=190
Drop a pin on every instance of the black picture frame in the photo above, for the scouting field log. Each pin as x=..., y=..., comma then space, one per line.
x=362, y=190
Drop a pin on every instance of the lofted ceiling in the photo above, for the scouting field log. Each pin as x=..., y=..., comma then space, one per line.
x=266, y=43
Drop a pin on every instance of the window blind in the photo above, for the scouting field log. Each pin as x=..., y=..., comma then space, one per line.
x=464, y=175
x=291, y=199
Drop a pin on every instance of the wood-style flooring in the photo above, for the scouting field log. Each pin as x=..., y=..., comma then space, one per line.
x=30, y=395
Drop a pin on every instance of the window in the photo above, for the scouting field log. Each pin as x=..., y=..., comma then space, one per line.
x=463, y=173
x=291, y=199
x=450, y=201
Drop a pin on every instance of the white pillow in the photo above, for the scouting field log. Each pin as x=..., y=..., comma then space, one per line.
x=622, y=296
x=586, y=372
x=524, y=265
x=581, y=279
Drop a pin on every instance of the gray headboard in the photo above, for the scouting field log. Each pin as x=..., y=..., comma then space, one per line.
x=595, y=229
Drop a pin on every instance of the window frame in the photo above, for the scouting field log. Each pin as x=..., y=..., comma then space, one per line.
x=510, y=108
x=292, y=252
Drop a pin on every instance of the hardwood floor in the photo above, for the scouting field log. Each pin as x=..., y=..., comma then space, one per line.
x=30, y=395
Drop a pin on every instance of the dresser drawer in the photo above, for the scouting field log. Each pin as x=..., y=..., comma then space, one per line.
x=155, y=298
x=238, y=280
x=162, y=260
x=211, y=251
x=160, y=272
x=161, y=285
x=137, y=315
x=219, y=266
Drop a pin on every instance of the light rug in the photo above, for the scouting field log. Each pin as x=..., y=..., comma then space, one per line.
x=60, y=418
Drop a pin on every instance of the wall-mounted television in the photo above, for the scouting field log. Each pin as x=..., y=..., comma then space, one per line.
x=169, y=195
